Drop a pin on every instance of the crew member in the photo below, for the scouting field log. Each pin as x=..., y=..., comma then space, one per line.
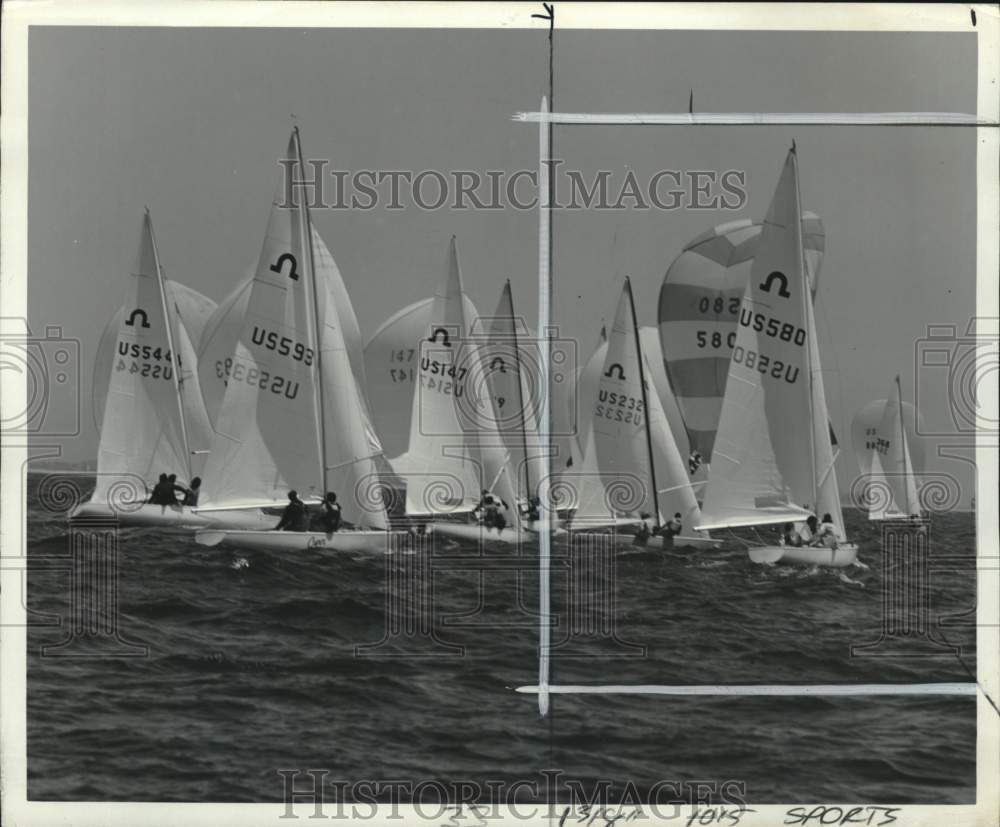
x=294, y=517
x=329, y=518
x=672, y=529
x=826, y=535
x=191, y=494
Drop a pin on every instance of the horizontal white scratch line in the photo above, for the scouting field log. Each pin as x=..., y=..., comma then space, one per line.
x=759, y=118
x=762, y=689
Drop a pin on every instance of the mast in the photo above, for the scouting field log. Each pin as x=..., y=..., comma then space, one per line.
x=645, y=404
x=520, y=392
x=174, y=355
x=307, y=232
x=902, y=439
x=806, y=316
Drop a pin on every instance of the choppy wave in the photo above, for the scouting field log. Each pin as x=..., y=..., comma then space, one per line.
x=262, y=661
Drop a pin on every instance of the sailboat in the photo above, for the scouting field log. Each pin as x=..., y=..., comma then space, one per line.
x=773, y=457
x=886, y=460
x=698, y=308
x=455, y=450
x=510, y=361
x=292, y=416
x=154, y=420
x=632, y=473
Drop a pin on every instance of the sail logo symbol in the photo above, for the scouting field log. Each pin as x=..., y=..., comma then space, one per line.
x=279, y=266
x=130, y=321
x=445, y=340
x=610, y=372
x=782, y=289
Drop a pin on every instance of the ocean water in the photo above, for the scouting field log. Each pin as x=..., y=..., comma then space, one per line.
x=229, y=666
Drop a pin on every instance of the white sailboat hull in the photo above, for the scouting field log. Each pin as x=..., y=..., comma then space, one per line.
x=844, y=555
x=350, y=540
x=481, y=534
x=165, y=516
x=684, y=541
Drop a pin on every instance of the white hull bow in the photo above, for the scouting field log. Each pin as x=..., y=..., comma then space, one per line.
x=844, y=555
x=166, y=516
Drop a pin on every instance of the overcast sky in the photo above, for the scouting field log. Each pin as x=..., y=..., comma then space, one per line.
x=190, y=123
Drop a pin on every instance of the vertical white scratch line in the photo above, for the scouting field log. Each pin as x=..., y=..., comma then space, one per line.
x=544, y=322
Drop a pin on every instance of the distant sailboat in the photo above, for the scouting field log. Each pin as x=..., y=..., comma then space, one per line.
x=886, y=459
x=631, y=473
x=154, y=421
x=292, y=416
x=773, y=458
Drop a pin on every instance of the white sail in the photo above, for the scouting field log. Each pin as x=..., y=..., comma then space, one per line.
x=391, y=357
x=351, y=445
x=510, y=361
x=292, y=415
x=218, y=342
x=194, y=311
x=582, y=489
x=198, y=425
x=635, y=447
x=441, y=472
x=143, y=432
x=222, y=329
x=764, y=461
x=827, y=489
x=891, y=465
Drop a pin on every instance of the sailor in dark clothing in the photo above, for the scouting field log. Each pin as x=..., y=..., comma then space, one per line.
x=191, y=494
x=643, y=534
x=329, y=516
x=160, y=491
x=671, y=529
x=174, y=488
x=531, y=512
x=489, y=510
x=294, y=517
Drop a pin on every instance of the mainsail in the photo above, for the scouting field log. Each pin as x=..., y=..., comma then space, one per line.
x=454, y=447
x=391, y=357
x=510, y=361
x=773, y=458
x=193, y=311
x=292, y=415
x=699, y=305
x=222, y=330
x=627, y=435
x=144, y=428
